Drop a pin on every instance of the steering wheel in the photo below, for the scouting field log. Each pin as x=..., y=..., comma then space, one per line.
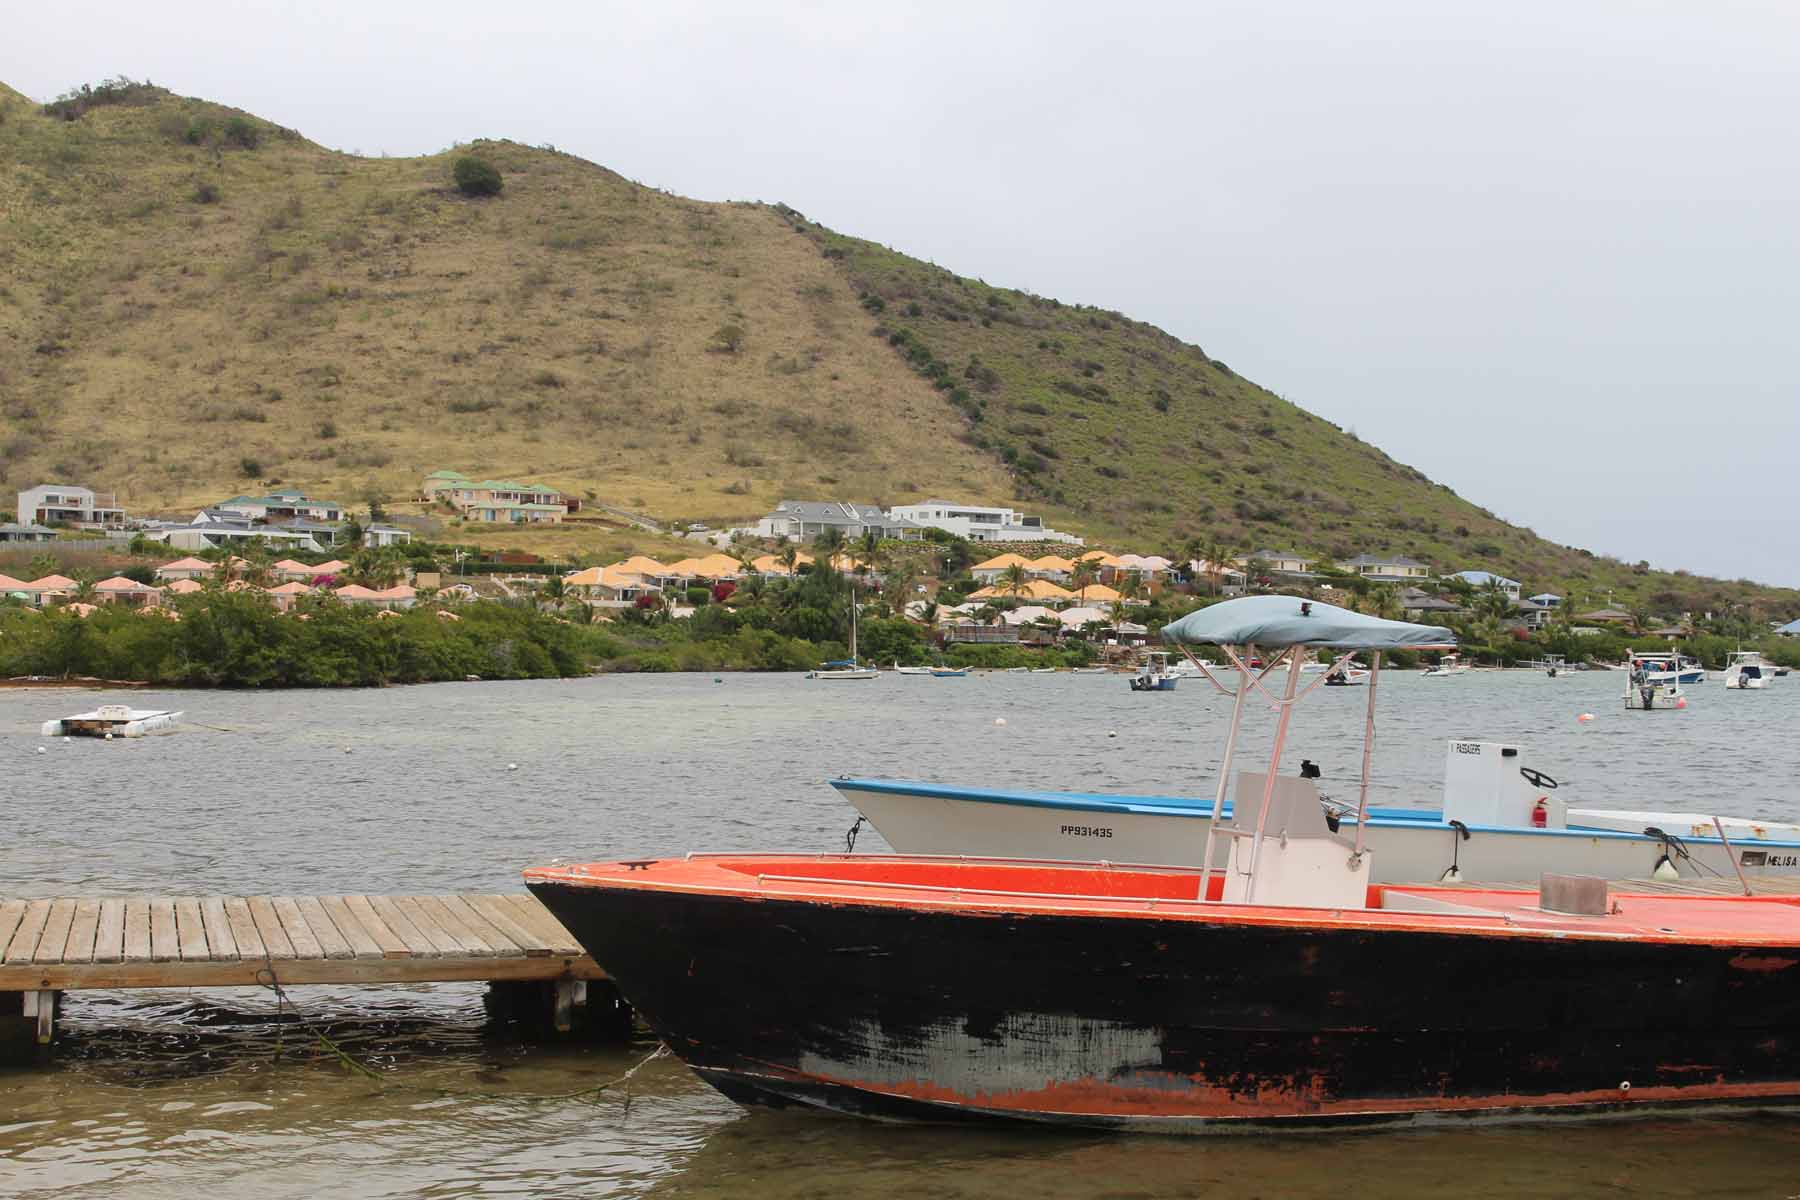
x=1538, y=779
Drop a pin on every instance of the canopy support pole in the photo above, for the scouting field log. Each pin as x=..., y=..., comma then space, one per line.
x=1237, y=716
x=1362, y=802
x=1295, y=656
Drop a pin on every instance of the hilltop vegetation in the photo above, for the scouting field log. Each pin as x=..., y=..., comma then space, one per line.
x=195, y=301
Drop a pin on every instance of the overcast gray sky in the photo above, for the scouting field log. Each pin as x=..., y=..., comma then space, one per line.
x=1545, y=252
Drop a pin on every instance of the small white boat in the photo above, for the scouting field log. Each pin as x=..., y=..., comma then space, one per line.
x=1499, y=820
x=112, y=721
x=1557, y=667
x=1746, y=671
x=1044, y=670
x=900, y=670
x=1447, y=665
x=1155, y=675
x=1652, y=682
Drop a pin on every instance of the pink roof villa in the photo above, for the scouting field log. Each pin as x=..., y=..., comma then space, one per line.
x=288, y=594
x=120, y=590
x=185, y=587
x=186, y=568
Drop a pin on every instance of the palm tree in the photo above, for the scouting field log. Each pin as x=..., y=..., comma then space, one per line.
x=1082, y=577
x=1218, y=555
x=84, y=586
x=790, y=558
x=43, y=564
x=1131, y=587
x=1014, y=580
x=897, y=585
x=829, y=542
x=868, y=549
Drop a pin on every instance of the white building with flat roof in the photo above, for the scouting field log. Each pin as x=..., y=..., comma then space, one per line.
x=980, y=523
x=51, y=502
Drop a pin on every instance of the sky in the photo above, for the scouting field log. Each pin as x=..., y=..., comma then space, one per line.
x=1548, y=253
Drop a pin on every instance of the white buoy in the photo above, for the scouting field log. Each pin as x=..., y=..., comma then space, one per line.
x=999, y=720
x=41, y=750
x=512, y=766
x=1665, y=871
x=1112, y=733
x=346, y=749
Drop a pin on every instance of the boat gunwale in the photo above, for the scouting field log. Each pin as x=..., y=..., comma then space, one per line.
x=1522, y=922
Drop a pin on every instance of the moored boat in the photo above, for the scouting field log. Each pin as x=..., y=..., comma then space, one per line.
x=113, y=721
x=1746, y=671
x=1155, y=675
x=1119, y=998
x=1498, y=819
x=1652, y=682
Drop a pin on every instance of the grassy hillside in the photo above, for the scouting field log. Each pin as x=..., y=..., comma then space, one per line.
x=194, y=302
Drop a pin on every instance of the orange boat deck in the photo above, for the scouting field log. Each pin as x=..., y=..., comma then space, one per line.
x=1642, y=910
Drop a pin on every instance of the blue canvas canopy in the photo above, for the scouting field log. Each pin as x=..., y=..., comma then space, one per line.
x=1276, y=622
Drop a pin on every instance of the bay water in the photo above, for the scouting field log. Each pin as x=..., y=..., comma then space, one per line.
x=459, y=786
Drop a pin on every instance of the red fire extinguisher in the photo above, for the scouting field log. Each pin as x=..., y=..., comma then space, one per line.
x=1540, y=815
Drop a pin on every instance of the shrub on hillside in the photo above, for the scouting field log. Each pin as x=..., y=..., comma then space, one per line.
x=477, y=177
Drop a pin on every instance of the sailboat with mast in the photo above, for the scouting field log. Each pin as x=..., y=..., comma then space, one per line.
x=846, y=668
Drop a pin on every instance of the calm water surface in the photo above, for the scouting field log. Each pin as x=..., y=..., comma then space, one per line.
x=458, y=786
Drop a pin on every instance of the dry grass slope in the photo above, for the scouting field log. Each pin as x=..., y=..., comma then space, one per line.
x=195, y=302
x=171, y=310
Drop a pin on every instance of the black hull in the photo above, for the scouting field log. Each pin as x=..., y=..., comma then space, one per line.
x=1179, y=1026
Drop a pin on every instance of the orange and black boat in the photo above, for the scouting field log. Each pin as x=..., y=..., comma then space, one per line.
x=1279, y=988
x=1110, y=996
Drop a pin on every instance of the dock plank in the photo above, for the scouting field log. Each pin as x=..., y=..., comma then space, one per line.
x=137, y=931
x=418, y=945
x=276, y=946
x=427, y=926
x=190, y=930
x=24, y=942
x=498, y=912
x=299, y=933
x=56, y=932
x=84, y=930
x=243, y=927
x=109, y=938
x=11, y=913
x=362, y=945
x=221, y=942
x=495, y=935
x=538, y=919
x=387, y=940
x=331, y=938
x=470, y=941
x=165, y=940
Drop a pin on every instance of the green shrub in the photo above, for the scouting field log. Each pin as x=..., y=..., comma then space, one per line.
x=477, y=177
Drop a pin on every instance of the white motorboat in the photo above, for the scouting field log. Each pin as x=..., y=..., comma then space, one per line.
x=1746, y=671
x=1448, y=665
x=900, y=670
x=1653, y=681
x=1499, y=819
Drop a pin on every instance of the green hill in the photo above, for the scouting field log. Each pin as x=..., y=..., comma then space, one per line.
x=194, y=301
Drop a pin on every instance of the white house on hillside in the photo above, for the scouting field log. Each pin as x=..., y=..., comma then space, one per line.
x=1387, y=568
x=979, y=523
x=801, y=520
x=1481, y=579
x=65, y=502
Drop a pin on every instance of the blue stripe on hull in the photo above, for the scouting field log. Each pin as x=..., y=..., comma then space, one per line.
x=1181, y=806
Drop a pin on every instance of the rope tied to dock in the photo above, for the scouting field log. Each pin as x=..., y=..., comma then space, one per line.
x=266, y=977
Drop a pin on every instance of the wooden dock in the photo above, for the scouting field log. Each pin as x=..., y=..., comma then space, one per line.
x=56, y=945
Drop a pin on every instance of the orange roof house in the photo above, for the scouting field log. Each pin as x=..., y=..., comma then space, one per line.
x=185, y=587
x=770, y=564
